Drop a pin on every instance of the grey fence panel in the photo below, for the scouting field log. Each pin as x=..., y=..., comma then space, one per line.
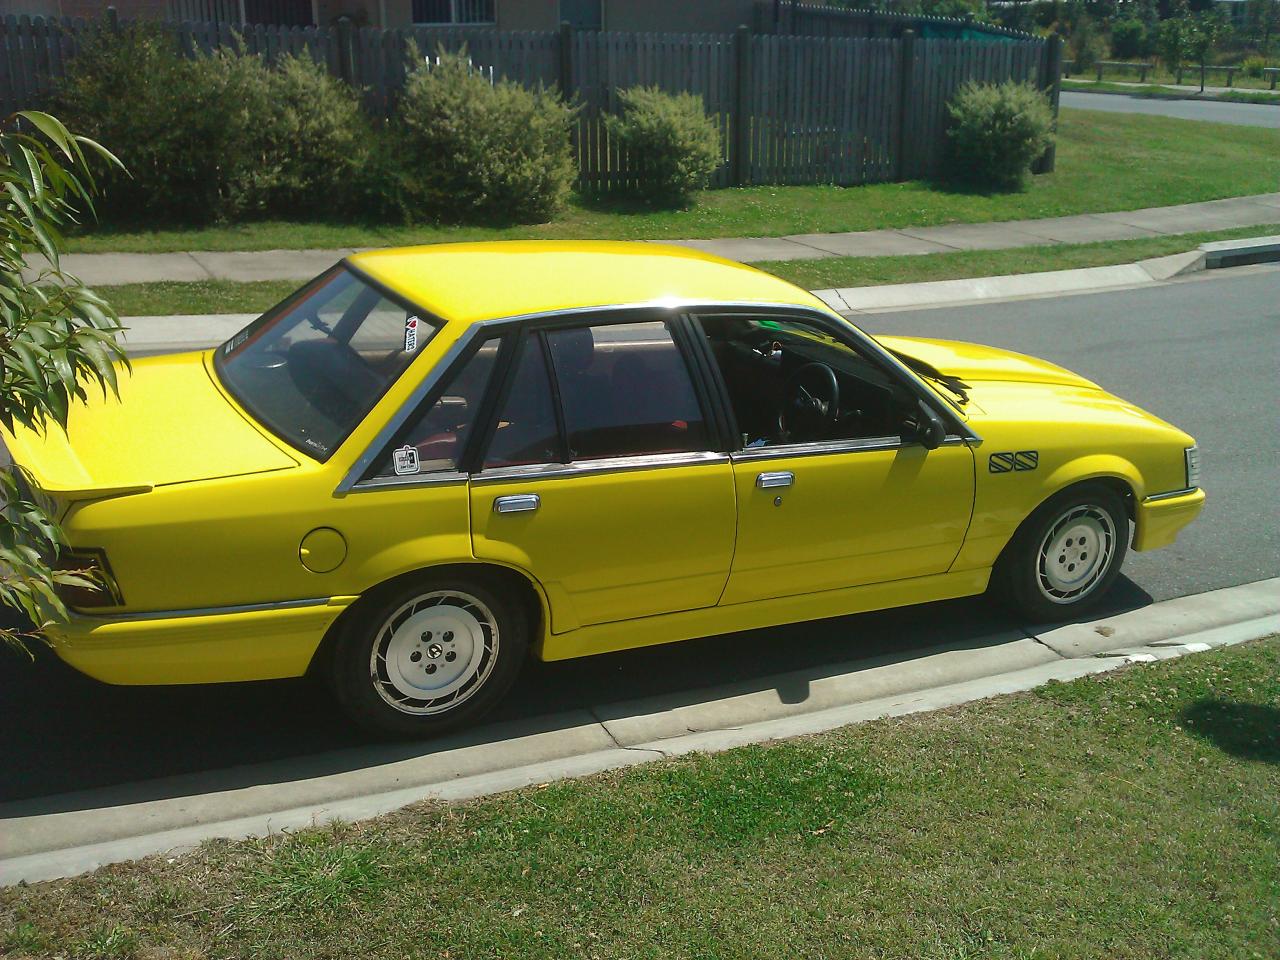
x=791, y=109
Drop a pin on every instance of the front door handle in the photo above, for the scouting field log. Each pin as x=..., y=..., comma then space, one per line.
x=517, y=503
x=782, y=478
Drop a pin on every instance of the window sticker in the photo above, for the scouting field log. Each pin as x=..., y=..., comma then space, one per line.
x=405, y=461
x=410, y=334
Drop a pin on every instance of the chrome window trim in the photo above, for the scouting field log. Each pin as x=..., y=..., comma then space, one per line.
x=554, y=471
x=484, y=328
x=819, y=448
x=1170, y=494
x=207, y=611
x=434, y=479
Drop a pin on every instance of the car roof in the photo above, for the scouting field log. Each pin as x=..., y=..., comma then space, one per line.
x=468, y=282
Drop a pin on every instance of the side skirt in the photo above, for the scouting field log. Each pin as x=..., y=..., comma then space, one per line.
x=710, y=621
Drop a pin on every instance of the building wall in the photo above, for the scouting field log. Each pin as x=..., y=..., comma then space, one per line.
x=528, y=14
x=677, y=16
x=89, y=9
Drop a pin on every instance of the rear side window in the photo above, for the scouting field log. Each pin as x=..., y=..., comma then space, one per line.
x=527, y=431
x=625, y=391
x=434, y=438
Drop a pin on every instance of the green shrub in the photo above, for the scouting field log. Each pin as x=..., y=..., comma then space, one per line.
x=1129, y=39
x=215, y=138
x=1253, y=66
x=996, y=132
x=133, y=93
x=671, y=143
x=314, y=138
x=472, y=149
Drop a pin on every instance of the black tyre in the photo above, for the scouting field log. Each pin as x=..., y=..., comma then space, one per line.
x=1066, y=555
x=431, y=656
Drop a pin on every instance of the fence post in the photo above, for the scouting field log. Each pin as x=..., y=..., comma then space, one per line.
x=346, y=51
x=1053, y=87
x=113, y=20
x=907, y=44
x=740, y=166
x=566, y=59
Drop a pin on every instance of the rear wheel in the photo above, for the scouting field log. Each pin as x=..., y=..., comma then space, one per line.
x=429, y=657
x=1065, y=555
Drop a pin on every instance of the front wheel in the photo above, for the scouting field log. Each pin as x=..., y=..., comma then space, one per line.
x=430, y=657
x=1065, y=555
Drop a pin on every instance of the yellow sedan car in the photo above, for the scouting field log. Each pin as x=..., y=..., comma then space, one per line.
x=430, y=463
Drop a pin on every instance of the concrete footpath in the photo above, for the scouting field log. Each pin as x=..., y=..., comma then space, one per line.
x=106, y=269
x=59, y=836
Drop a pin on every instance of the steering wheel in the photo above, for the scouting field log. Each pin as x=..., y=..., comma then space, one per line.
x=810, y=403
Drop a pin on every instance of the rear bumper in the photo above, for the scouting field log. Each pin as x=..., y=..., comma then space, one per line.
x=1159, y=518
x=263, y=642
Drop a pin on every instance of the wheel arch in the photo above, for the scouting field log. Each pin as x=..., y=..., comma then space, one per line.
x=1120, y=485
x=529, y=593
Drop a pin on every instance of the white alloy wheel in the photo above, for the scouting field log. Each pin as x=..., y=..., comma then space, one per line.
x=434, y=652
x=1075, y=553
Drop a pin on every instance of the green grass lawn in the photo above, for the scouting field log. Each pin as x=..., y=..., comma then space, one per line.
x=1131, y=816
x=870, y=271
x=1105, y=162
x=167, y=298
x=1171, y=93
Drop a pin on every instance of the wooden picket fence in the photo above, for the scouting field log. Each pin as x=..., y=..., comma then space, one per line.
x=791, y=109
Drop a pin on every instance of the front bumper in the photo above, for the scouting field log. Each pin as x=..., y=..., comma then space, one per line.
x=263, y=642
x=1158, y=519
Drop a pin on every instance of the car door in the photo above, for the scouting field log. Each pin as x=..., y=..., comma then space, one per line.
x=602, y=476
x=856, y=503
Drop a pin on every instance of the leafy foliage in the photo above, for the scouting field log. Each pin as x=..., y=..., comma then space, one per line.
x=476, y=148
x=1129, y=39
x=217, y=137
x=996, y=132
x=672, y=143
x=56, y=338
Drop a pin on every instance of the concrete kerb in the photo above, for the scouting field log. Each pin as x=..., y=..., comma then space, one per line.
x=939, y=293
x=44, y=846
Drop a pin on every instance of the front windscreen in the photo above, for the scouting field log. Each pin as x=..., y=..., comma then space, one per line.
x=311, y=368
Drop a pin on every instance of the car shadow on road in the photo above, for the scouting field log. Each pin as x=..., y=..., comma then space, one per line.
x=73, y=743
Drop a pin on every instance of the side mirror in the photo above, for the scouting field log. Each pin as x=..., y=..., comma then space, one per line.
x=930, y=430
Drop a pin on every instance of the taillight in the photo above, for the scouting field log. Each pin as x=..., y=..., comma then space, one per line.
x=90, y=563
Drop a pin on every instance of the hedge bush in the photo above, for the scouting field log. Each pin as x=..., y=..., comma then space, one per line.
x=214, y=138
x=472, y=148
x=132, y=93
x=1253, y=66
x=673, y=144
x=996, y=132
x=1129, y=39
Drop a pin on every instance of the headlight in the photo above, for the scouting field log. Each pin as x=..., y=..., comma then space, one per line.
x=1192, y=456
x=92, y=564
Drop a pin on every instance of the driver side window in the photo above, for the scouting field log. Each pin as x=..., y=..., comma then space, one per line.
x=791, y=382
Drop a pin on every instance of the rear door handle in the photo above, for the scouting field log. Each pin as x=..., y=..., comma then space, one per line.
x=517, y=503
x=782, y=478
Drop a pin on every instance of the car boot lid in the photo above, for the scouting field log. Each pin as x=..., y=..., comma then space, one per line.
x=171, y=424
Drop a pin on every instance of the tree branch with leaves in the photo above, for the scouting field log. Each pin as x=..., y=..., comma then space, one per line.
x=57, y=340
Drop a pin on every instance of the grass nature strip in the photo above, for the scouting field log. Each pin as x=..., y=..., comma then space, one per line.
x=168, y=298
x=1135, y=814
x=1105, y=162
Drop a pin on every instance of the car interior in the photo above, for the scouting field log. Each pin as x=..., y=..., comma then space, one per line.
x=789, y=382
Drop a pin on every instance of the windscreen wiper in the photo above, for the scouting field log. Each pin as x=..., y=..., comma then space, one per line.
x=930, y=372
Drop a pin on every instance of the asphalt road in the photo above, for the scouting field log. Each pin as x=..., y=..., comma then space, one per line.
x=1214, y=111
x=1202, y=354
